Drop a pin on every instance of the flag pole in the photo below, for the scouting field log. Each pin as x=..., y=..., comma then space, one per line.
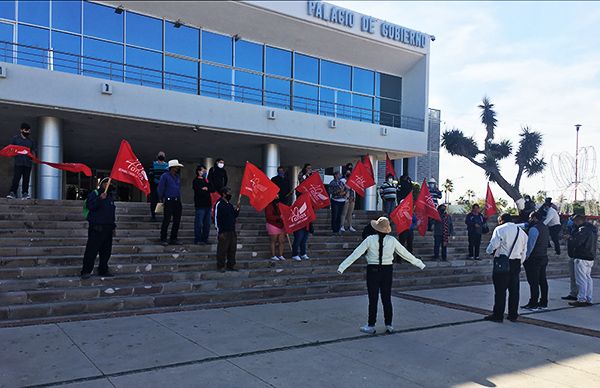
x=289, y=241
x=108, y=184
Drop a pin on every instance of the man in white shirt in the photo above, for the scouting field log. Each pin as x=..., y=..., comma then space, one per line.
x=507, y=239
x=552, y=221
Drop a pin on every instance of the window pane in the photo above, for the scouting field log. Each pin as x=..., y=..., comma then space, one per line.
x=216, y=81
x=103, y=52
x=66, y=15
x=6, y=48
x=305, y=97
x=32, y=36
x=144, y=31
x=327, y=102
x=249, y=55
x=277, y=93
x=216, y=48
x=64, y=45
x=279, y=62
x=306, y=68
x=7, y=10
x=389, y=86
x=343, y=106
x=102, y=22
x=182, y=40
x=146, y=69
x=35, y=12
x=248, y=87
x=362, y=108
x=335, y=75
x=362, y=81
x=181, y=75
x=389, y=112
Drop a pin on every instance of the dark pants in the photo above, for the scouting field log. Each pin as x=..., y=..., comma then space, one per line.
x=153, y=198
x=536, y=277
x=226, y=248
x=379, y=280
x=438, y=242
x=21, y=172
x=202, y=224
x=99, y=243
x=406, y=239
x=299, y=245
x=388, y=206
x=474, y=244
x=336, y=215
x=555, y=236
x=172, y=209
x=503, y=282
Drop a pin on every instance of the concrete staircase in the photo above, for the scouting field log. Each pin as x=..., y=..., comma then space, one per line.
x=42, y=244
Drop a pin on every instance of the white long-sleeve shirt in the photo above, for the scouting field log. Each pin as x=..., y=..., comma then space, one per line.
x=370, y=248
x=503, y=238
x=552, y=217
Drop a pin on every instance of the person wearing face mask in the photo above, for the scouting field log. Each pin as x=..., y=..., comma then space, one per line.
x=159, y=167
x=349, y=204
x=101, y=217
x=338, y=200
x=169, y=193
x=225, y=219
x=202, y=203
x=283, y=182
x=387, y=191
x=536, y=260
x=304, y=174
x=23, y=163
x=217, y=176
x=442, y=230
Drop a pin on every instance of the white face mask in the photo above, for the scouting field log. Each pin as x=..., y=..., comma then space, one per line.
x=220, y=165
x=390, y=180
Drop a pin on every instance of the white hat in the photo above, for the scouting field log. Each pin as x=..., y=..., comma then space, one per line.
x=174, y=163
x=382, y=224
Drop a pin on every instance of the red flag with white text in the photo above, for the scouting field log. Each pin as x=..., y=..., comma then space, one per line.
x=490, y=203
x=128, y=169
x=367, y=162
x=297, y=216
x=360, y=179
x=403, y=214
x=425, y=209
x=314, y=187
x=258, y=187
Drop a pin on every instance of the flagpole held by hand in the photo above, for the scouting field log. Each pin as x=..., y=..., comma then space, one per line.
x=107, y=185
x=289, y=241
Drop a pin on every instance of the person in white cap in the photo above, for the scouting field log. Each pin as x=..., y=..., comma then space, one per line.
x=379, y=251
x=169, y=193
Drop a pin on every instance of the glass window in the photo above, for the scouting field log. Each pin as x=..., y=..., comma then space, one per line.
x=104, y=54
x=216, y=48
x=66, y=15
x=335, y=75
x=305, y=97
x=279, y=62
x=277, y=93
x=249, y=55
x=35, y=12
x=248, y=87
x=7, y=10
x=306, y=68
x=389, y=112
x=37, y=37
x=388, y=86
x=102, y=22
x=6, y=48
x=327, y=102
x=363, y=81
x=181, y=75
x=216, y=81
x=362, y=108
x=66, y=52
x=343, y=102
x=182, y=40
x=144, y=67
x=144, y=31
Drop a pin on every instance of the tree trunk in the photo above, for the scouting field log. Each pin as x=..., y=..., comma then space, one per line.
x=509, y=189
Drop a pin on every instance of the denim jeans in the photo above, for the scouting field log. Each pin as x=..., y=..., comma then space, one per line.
x=583, y=277
x=388, y=206
x=336, y=215
x=438, y=242
x=299, y=245
x=202, y=224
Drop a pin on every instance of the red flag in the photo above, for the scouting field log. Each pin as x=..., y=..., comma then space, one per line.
x=71, y=167
x=14, y=150
x=313, y=185
x=389, y=167
x=360, y=179
x=258, y=187
x=367, y=162
x=403, y=213
x=490, y=203
x=425, y=209
x=297, y=216
x=128, y=169
x=214, y=198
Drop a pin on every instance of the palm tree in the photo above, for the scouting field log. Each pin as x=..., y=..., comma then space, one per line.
x=470, y=194
x=448, y=187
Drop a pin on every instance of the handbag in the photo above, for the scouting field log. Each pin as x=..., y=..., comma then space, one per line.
x=160, y=208
x=501, y=263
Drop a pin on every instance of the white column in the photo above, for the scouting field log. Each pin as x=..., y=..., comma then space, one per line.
x=270, y=159
x=50, y=149
x=208, y=162
x=371, y=192
x=293, y=172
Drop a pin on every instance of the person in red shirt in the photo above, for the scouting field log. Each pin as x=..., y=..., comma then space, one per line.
x=275, y=229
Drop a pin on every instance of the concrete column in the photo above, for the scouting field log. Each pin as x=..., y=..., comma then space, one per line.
x=371, y=192
x=50, y=149
x=293, y=172
x=270, y=159
x=208, y=162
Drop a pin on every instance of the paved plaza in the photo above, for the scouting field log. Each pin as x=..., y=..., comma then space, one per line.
x=441, y=341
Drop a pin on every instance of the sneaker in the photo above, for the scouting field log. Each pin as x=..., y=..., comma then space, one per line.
x=304, y=257
x=222, y=270
x=174, y=242
x=477, y=258
x=233, y=269
x=513, y=319
x=530, y=306
x=296, y=258
x=389, y=329
x=342, y=229
x=352, y=229
x=470, y=258
x=106, y=274
x=26, y=196
x=542, y=306
x=569, y=297
x=579, y=304
x=164, y=243
x=368, y=329
x=85, y=276
x=589, y=304
x=11, y=195
x=281, y=258
x=275, y=258
x=492, y=318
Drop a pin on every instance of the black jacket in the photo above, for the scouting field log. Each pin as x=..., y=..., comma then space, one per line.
x=23, y=160
x=404, y=188
x=201, y=197
x=102, y=211
x=217, y=178
x=582, y=244
x=225, y=216
x=539, y=253
x=284, y=185
x=368, y=231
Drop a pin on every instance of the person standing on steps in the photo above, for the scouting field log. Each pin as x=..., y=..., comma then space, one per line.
x=225, y=219
x=169, y=193
x=407, y=237
x=475, y=221
x=217, y=176
x=379, y=251
x=23, y=163
x=304, y=174
x=300, y=243
x=582, y=248
x=348, y=210
x=338, y=199
x=101, y=230
x=387, y=192
x=442, y=230
x=536, y=262
x=202, y=204
x=404, y=187
x=285, y=188
x=159, y=167
x=275, y=229
x=552, y=220
x=573, y=283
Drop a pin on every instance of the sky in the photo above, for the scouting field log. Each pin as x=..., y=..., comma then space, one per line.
x=539, y=62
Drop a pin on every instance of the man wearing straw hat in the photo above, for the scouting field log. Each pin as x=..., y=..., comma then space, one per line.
x=169, y=193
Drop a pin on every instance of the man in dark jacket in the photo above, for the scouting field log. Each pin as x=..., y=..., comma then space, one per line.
x=169, y=193
x=23, y=163
x=202, y=203
x=283, y=182
x=442, y=230
x=536, y=260
x=225, y=218
x=404, y=187
x=582, y=248
x=101, y=218
x=474, y=221
x=217, y=176
x=159, y=167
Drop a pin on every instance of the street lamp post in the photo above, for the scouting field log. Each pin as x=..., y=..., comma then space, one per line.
x=577, y=126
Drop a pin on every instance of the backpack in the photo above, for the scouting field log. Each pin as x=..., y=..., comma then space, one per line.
x=86, y=211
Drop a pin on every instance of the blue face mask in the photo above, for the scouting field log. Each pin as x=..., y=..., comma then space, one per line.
x=281, y=174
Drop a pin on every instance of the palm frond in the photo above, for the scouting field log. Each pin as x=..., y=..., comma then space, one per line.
x=456, y=143
x=488, y=117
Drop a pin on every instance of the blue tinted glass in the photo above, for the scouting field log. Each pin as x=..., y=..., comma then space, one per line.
x=7, y=10
x=105, y=54
x=362, y=108
x=216, y=81
x=363, y=81
x=249, y=55
x=64, y=45
x=327, y=102
x=102, y=21
x=146, y=69
x=388, y=86
x=216, y=48
x=182, y=40
x=335, y=75
x=66, y=15
x=181, y=75
x=32, y=36
x=6, y=49
x=305, y=97
x=389, y=112
x=343, y=107
x=277, y=93
x=144, y=31
x=306, y=68
x=248, y=87
x=35, y=12
x=279, y=62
